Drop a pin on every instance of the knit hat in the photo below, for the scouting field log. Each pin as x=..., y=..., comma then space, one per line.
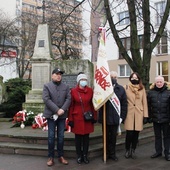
x=81, y=76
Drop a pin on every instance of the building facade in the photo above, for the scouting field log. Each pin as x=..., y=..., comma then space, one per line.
x=8, y=46
x=160, y=61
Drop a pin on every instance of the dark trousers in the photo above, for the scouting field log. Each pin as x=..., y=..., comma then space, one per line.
x=82, y=144
x=162, y=133
x=131, y=139
x=111, y=136
x=60, y=123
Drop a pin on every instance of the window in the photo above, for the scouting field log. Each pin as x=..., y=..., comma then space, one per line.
x=140, y=38
x=160, y=8
x=139, y=14
x=162, y=47
x=124, y=70
x=162, y=69
x=123, y=18
x=126, y=43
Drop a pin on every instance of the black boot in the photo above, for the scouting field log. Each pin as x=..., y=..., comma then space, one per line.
x=86, y=161
x=79, y=159
x=133, y=155
x=127, y=154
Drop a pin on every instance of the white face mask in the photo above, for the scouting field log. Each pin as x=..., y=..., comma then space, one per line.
x=83, y=83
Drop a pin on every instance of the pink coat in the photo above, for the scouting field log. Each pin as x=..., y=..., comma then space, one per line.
x=76, y=112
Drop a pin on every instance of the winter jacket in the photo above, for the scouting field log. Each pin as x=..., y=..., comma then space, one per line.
x=137, y=109
x=55, y=97
x=112, y=117
x=159, y=104
x=77, y=109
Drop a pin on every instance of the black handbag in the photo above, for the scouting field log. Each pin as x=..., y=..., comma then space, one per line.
x=88, y=116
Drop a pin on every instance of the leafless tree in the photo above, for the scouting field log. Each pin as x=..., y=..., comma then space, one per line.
x=138, y=10
x=64, y=19
x=139, y=62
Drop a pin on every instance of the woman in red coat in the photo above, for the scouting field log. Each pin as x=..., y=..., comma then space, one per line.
x=81, y=101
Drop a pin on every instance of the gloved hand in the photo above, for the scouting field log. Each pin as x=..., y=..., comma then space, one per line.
x=145, y=120
x=94, y=121
x=71, y=124
x=150, y=120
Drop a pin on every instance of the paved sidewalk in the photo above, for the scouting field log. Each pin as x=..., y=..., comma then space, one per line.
x=143, y=162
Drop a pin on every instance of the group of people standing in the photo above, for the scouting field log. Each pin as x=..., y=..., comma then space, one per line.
x=136, y=108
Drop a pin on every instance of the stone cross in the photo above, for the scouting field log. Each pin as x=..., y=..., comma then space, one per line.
x=43, y=7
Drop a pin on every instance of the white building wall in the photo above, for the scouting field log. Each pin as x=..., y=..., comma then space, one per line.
x=9, y=7
x=111, y=46
x=86, y=47
x=8, y=65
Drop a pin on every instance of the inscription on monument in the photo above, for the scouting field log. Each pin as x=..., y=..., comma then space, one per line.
x=40, y=76
x=41, y=43
x=70, y=80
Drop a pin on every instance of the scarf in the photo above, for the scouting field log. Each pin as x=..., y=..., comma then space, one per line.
x=135, y=89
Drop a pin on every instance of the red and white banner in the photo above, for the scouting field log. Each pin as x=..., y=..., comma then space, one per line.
x=9, y=53
x=103, y=88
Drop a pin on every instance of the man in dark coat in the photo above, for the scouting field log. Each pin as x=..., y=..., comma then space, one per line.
x=159, y=113
x=112, y=116
x=57, y=99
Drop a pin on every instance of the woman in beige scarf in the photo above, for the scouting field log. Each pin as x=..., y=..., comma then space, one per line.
x=137, y=113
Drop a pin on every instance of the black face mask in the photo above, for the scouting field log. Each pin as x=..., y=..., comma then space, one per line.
x=134, y=81
x=114, y=81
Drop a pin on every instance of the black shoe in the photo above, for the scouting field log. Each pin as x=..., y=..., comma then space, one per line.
x=114, y=158
x=167, y=158
x=79, y=160
x=133, y=155
x=127, y=154
x=86, y=161
x=156, y=155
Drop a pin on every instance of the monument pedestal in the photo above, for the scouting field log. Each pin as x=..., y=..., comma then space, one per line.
x=34, y=101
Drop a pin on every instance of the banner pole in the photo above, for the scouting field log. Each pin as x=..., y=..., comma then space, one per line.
x=104, y=133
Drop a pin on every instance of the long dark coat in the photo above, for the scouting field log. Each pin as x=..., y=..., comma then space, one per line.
x=76, y=112
x=112, y=117
x=159, y=104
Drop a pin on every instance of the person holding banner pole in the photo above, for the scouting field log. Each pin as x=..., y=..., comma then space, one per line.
x=137, y=113
x=116, y=110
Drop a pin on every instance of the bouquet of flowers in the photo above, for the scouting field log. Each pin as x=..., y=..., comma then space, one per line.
x=40, y=122
x=23, y=117
x=19, y=118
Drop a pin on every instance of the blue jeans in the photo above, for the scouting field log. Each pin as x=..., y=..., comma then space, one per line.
x=60, y=124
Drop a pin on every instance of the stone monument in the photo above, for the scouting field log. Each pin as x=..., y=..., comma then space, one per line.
x=41, y=69
x=3, y=95
x=42, y=66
